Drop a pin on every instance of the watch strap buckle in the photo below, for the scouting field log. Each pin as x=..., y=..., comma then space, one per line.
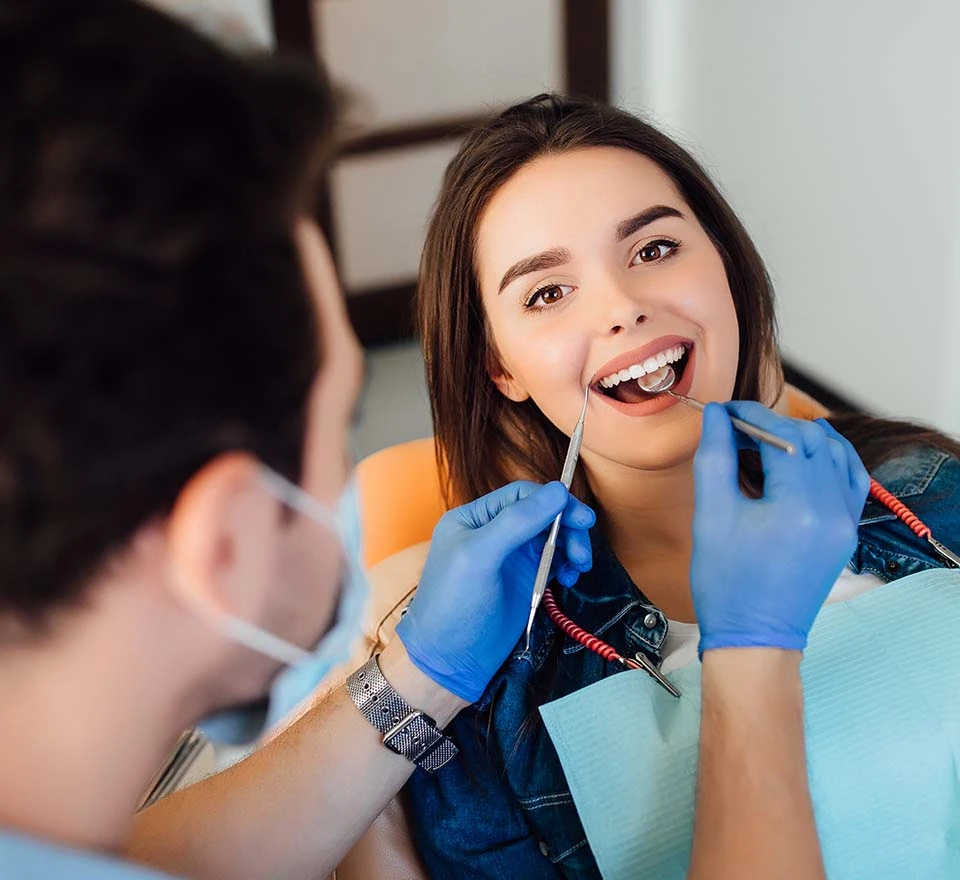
x=406, y=731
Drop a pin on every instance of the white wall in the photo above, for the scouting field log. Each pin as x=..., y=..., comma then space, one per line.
x=834, y=128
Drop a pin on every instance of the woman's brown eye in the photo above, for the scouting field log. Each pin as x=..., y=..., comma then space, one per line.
x=551, y=295
x=548, y=296
x=650, y=252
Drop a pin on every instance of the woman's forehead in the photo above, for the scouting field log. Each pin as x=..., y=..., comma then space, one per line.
x=569, y=195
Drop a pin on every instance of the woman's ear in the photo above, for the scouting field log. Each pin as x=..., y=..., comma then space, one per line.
x=506, y=384
x=222, y=536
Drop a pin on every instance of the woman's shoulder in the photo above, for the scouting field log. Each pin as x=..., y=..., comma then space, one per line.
x=926, y=474
x=401, y=569
x=927, y=480
x=392, y=585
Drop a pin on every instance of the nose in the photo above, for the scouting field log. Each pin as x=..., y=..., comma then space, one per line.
x=619, y=310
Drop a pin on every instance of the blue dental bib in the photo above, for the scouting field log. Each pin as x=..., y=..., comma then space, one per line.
x=881, y=680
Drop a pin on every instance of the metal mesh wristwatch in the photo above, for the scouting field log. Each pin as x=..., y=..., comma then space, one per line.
x=406, y=731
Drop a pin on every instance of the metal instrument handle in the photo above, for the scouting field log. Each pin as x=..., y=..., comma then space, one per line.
x=744, y=427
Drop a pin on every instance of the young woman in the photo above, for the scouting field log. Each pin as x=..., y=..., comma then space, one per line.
x=575, y=245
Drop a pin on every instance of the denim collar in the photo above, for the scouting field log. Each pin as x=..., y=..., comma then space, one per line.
x=606, y=596
x=927, y=480
x=907, y=476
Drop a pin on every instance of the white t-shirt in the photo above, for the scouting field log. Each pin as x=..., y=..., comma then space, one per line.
x=680, y=646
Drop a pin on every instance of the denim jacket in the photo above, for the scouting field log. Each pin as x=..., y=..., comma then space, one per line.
x=503, y=808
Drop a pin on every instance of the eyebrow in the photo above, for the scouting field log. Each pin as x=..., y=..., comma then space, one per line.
x=645, y=218
x=537, y=263
x=559, y=256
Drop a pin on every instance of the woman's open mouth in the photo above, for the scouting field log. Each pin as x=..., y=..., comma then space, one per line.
x=622, y=386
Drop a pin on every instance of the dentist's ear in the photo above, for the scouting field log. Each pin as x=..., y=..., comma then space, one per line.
x=223, y=536
x=506, y=384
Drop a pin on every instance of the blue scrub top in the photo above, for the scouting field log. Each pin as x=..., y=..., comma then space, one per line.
x=27, y=858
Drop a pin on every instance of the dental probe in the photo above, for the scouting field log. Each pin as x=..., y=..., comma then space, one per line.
x=566, y=477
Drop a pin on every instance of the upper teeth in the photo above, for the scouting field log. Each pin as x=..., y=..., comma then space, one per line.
x=654, y=362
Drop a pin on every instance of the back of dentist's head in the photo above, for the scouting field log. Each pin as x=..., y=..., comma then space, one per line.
x=153, y=312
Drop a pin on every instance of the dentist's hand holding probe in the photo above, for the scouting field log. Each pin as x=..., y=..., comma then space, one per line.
x=763, y=567
x=474, y=595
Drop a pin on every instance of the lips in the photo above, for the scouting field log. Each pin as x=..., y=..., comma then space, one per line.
x=652, y=404
x=639, y=355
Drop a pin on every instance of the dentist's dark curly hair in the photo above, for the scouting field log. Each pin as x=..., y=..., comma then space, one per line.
x=152, y=308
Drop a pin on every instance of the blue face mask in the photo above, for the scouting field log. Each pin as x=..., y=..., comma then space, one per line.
x=303, y=670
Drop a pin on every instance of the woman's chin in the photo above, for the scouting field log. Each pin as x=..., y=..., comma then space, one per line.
x=668, y=448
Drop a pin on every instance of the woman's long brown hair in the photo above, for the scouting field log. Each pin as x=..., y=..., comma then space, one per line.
x=485, y=440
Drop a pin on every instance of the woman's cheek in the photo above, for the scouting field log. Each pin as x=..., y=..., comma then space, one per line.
x=728, y=347
x=718, y=356
x=704, y=300
x=555, y=367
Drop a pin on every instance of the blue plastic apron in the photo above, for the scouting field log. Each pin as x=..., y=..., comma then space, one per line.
x=881, y=680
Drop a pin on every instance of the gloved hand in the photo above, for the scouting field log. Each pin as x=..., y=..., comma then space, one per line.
x=762, y=568
x=474, y=595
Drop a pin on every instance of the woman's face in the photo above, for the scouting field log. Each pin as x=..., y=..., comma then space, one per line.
x=592, y=269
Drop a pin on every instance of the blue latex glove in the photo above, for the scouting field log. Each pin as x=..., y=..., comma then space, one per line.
x=474, y=595
x=762, y=568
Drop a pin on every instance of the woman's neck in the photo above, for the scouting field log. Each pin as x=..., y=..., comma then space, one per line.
x=648, y=520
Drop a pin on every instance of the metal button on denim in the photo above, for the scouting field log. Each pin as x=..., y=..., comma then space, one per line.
x=544, y=849
x=651, y=620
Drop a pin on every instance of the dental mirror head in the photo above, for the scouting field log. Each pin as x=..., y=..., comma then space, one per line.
x=659, y=380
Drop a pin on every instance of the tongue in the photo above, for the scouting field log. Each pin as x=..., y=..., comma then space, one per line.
x=630, y=392
x=633, y=391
